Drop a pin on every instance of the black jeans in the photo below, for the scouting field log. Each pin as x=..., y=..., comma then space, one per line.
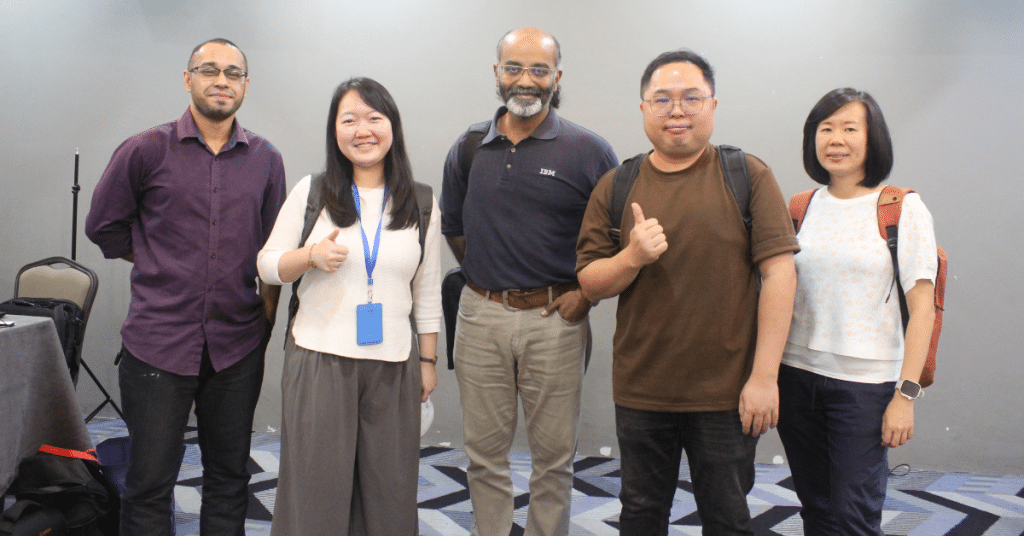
x=721, y=459
x=156, y=404
x=832, y=432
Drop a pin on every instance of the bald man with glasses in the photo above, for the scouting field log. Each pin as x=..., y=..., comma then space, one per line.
x=514, y=192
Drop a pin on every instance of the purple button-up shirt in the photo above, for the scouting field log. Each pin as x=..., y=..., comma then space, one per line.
x=194, y=222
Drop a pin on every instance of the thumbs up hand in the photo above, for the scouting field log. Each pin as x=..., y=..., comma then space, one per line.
x=646, y=240
x=329, y=255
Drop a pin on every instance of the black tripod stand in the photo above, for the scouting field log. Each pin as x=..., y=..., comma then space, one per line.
x=107, y=399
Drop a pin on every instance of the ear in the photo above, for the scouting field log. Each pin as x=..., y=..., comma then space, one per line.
x=245, y=87
x=187, y=80
x=497, y=77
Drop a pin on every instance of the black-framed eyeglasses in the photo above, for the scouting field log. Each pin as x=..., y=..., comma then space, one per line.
x=662, y=105
x=210, y=72
x=515, y=71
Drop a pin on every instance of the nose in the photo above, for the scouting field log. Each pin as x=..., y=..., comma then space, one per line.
x=526, y=80
x=362, y=128
x=677, y=104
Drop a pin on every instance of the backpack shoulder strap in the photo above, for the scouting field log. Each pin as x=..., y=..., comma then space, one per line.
x=424, y=205
x=313, y=208
x=622, y=183
x=737, y=176
x=890, y=205
x=798, y=207
x=470, y=143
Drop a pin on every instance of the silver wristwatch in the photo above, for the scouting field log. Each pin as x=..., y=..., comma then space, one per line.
x=909, y=389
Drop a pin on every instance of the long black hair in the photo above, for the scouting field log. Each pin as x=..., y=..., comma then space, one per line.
x=336, y=188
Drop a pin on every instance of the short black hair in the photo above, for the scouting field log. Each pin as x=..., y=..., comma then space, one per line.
x=220, y=41
x=678, y=56
x=877, y=162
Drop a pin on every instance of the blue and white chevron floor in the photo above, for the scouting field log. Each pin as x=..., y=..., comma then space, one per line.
x=919, y=503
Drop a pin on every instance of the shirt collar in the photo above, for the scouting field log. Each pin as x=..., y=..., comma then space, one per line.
x=546, y=130
x=187, y=129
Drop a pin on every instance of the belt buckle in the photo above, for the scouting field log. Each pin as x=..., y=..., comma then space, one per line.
x=526, y=302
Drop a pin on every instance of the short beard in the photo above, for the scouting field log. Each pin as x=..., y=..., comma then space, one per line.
x=511, y=97
x=215, y=114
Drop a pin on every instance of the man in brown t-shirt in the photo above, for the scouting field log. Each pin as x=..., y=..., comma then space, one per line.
x=704, y=308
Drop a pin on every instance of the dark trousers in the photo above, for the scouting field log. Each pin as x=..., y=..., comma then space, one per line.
x=832, y=432
x=721, y=459
x=156, y=404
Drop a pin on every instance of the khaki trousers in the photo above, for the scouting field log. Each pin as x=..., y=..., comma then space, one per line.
x=502, y=355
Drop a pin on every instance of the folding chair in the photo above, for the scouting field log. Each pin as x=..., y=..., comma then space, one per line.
x=75, y=283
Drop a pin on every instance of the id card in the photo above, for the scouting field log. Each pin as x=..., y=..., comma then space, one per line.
x=369, y=324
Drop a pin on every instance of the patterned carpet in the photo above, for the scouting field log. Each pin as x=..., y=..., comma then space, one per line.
x=919, y=503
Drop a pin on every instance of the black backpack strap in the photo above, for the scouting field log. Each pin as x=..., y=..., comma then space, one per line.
x=470, y=143
x=313, y=208
x=892, y=242
x=737, y=177
x=450, y=294
x=425, y=205
x=622, y=183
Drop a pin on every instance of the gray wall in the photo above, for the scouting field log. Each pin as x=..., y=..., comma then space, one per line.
x=88, y=74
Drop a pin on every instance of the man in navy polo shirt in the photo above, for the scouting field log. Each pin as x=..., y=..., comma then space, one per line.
x=522, y=331
x=190, y=203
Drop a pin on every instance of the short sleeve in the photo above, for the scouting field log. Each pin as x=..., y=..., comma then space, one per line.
x=916, y=249
x=594, y=241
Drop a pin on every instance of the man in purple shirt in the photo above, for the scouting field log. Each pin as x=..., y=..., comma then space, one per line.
x=190, y=203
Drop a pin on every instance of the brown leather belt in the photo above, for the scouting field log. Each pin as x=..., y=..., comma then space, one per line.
x=524, y=299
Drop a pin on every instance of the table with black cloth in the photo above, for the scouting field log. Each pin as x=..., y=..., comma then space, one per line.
x=37, y=399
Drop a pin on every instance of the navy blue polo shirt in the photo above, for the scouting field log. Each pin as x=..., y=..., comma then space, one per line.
x=522, y=205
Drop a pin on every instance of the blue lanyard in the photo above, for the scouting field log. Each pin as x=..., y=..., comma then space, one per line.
x=370, y=257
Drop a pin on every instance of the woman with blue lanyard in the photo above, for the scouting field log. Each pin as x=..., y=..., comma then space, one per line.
x=351, y=394
x=849, y=376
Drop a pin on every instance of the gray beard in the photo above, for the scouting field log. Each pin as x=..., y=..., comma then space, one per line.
x=518, y=108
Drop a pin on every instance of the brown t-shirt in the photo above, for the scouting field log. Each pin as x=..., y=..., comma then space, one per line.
x=687, y=326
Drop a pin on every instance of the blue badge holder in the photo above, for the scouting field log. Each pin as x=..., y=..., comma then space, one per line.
x=369, y=324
